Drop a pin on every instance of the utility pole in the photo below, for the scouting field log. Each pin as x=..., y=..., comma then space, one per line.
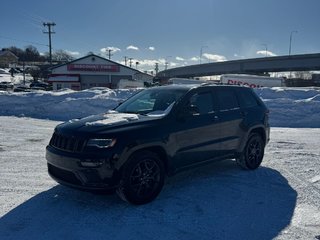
x=49, y=25
x=130, y=62
x=125, y=60
x=109, y=53
x=157, y=68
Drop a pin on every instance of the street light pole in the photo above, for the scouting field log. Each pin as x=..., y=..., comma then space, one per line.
x=166, y=63
x=291, y=41
x=266, y=47
x=201, y=49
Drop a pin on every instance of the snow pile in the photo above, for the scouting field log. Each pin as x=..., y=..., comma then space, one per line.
x=5, y=76
x=292, y=107
x=61, y=105
x=289, y=107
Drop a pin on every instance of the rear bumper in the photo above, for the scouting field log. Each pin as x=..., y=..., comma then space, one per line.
x=67, y=169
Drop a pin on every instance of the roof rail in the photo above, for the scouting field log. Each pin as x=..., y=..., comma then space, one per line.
x=208, y=84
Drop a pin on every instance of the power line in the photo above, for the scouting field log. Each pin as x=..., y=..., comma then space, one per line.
x=49, y=32
x=14, y=39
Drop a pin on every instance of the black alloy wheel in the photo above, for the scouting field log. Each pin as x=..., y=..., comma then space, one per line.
x=253, y=153
x=143, y=178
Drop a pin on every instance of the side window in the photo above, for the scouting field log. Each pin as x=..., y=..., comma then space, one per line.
x=201, y=103
x=247, y=99
x=227, y=100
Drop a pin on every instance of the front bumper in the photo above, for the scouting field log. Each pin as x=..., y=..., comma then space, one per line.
x=67, y=169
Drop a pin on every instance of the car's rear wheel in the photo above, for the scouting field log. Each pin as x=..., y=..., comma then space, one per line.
x=253, y=153
x=142, y=178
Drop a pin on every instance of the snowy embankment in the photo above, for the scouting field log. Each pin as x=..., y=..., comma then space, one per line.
x=289, y=107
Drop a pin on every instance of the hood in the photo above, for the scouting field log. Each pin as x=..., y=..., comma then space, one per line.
x=102, y=122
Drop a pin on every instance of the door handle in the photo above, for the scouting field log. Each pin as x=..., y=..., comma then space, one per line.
x=215, y=118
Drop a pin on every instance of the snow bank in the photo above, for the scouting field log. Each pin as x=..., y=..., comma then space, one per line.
x=289, y=107
x=61, y=105
x=292, y=107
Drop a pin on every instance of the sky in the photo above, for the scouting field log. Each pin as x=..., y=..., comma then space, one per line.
x=172, y=31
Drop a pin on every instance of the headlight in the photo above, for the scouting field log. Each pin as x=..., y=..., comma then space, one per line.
x=101, y=143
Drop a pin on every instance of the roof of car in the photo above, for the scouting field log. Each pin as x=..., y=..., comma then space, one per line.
x=190, y=86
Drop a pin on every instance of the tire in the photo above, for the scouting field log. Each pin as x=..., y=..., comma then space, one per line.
x=253, y=153
x=142, y=178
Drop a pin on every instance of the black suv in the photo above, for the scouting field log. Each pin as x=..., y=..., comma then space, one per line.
x=156, y=133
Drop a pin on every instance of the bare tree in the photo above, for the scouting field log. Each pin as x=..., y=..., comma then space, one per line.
x=60, y=56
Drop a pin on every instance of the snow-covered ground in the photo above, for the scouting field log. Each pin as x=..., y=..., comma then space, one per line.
x=289, y=107
x=17, y=78
x=279, y=200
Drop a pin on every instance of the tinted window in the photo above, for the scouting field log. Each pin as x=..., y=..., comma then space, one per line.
x=203, y=102
x=227, y=100
x=247, y=99
x=151, y=100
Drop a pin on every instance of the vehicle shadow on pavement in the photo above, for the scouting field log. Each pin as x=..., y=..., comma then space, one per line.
x=218, y=201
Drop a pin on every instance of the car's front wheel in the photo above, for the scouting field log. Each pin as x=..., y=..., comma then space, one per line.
x=253, y=153
x=142, y=178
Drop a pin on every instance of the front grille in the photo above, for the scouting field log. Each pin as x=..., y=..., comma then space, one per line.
x=66, y=143
x=63, y=175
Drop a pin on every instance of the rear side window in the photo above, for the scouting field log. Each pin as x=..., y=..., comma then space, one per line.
x=247, y=99
x=227, y=100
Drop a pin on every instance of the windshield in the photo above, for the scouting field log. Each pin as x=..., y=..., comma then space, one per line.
x=152, y=102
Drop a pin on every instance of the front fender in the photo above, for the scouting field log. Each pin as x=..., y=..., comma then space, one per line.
x=134, y=147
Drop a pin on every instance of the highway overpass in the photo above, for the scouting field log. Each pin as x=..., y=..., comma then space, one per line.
x=303, y=62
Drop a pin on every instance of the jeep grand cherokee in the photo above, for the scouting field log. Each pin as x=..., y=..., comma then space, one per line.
x=157, y=133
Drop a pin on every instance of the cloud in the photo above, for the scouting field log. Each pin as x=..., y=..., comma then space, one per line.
x=266, y=53
x=194, y=59
x=214, y=57
x=179, y=59
x=150, y=62
x=152, y=48
x=131, y=47
x=238, y=56
x=72, y=53
x=113, y=49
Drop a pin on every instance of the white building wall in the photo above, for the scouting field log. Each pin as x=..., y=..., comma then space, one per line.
x=105, y=74
x=93, y=60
